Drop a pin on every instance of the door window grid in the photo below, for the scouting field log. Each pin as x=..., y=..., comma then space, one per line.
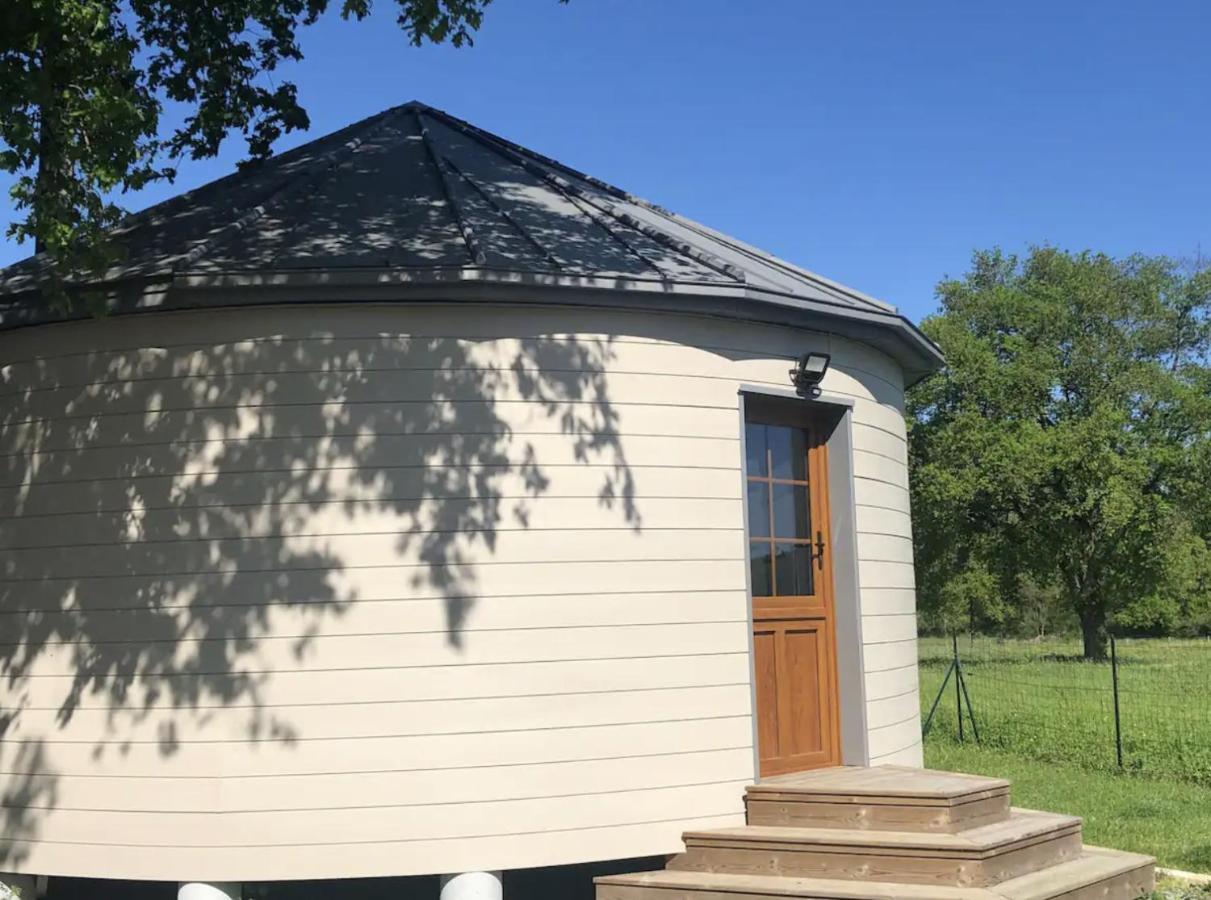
x=780, y=549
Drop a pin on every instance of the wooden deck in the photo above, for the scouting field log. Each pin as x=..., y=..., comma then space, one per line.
x=889, y=832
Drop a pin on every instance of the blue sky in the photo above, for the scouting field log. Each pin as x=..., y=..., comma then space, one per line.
x=877, y=143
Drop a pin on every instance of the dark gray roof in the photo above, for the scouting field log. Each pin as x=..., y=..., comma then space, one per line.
x=415, y=201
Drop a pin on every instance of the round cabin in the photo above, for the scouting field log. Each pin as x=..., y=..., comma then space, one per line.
x=422, y=506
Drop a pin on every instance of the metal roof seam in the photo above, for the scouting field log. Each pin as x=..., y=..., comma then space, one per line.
x=599, y=220
x=483, y=136
x=310, y=179
x=506, y=215
x=464, y=227
x=768, y=259
x=567, y=187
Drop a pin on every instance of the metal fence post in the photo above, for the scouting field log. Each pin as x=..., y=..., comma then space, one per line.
x=971, y=713
x=1118, y=722
x=954, y=642
x=936, y=700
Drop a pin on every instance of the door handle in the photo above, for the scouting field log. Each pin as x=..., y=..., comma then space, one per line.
x=819, y=550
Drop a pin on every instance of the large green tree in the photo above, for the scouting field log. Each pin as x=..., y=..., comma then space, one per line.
x=84, y=84
x=1067, y=441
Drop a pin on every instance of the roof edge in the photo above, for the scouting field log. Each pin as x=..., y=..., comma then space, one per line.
x=888, y=331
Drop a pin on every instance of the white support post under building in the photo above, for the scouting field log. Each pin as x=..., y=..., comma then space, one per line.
x=472, y=886
x=202, y=890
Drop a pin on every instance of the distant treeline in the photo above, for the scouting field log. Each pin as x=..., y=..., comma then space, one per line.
x=1061, y=463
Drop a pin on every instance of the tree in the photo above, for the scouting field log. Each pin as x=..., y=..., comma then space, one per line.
x=84, y=83
x=1068, y=440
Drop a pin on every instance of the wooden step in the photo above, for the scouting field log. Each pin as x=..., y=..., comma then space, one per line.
x=1025, y=842
x=887, y=798
x=1095, y=875
x=674, y=885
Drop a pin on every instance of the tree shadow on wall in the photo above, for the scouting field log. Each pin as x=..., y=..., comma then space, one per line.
x=180, y=524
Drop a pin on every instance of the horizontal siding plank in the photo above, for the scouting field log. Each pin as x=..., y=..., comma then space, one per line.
x=437, y=822
x=160, y=693
x=370, y=455
x=329, y=393
x=888, y=601
x=336, y=517
x=493, y=852
x=327, y=723
x=889, y=629
x=890, y=444
x=892, y=710
x=402, y=789
x=876, y=520
x=466, y=547
x=885, y=548
x=869, y=492
x=405, y=614
x=879, y=468
x=891, y=655
x=890, y=739
x=911, y=756
x=266, y=383
x=484, y=417
x=430, y=753
x=331, y=588
x=271, y=653
x=198, y=410
x=884, y=683
x=883, y=574
x=383, y=486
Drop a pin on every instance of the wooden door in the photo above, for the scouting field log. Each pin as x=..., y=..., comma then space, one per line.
x=794, y=642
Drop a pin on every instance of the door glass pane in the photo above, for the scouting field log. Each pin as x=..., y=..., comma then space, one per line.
x=754, y=448
x=788, y=446
x=791, y=513
x=759, y=567
x=758, y=509
x=794, y=570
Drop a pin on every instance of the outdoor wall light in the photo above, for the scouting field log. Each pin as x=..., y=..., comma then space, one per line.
x=808, y=372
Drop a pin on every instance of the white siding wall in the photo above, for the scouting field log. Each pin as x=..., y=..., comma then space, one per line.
x=325, y=592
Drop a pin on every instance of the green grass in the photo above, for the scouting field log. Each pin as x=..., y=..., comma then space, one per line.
x=1166, y=819
x=1039, y=700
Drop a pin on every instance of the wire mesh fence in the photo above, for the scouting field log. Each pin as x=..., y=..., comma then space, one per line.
x=1042, y=700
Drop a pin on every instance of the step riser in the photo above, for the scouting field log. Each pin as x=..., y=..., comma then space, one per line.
x=1128, y=886
x=908, y=865
x=877, y=816
x=622, y=892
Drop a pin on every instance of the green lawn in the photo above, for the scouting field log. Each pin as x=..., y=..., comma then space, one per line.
x=1166, y=819
x=1039, y=700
